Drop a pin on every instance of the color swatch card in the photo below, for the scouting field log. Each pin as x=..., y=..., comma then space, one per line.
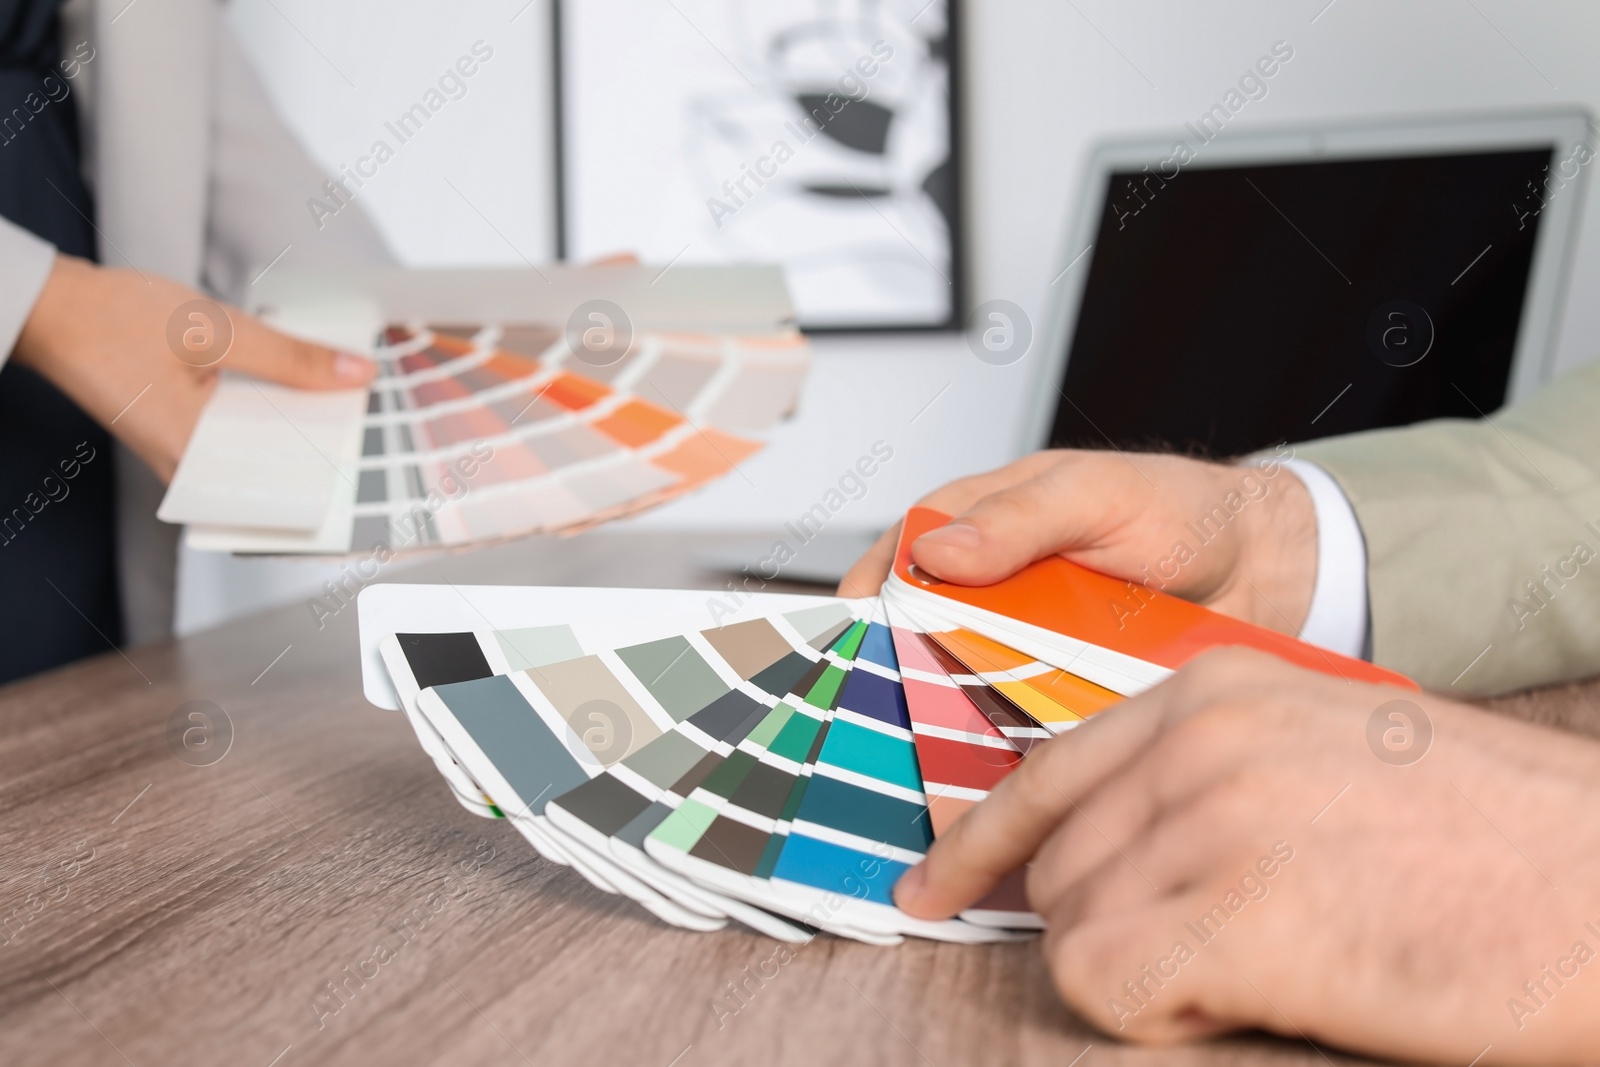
x=766, y=769
x=648, y=715
x=482, y=430
x=581, y=618
x=1119, y=636
x=777, y=763
x=785, y=768
x=416, y=653
x=567, y=721
x=821, y=822
x=962, y=753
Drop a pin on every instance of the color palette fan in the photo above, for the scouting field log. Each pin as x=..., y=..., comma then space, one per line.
x=766, y=771
x=781, y=770
x=480, y=431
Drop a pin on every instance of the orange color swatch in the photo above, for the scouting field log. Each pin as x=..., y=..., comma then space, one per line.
x=636, y=423
x=1066, y=598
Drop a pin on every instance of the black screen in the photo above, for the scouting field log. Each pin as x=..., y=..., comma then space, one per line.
x=1230, y=309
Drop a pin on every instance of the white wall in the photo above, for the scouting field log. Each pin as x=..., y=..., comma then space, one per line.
x=339, y=72
x=1044, y=80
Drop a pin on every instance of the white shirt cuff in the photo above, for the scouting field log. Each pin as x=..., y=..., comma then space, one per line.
x=25, y=263
x=1337, y=620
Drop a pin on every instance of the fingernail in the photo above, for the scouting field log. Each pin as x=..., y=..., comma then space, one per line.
x=348, y=367
x=909, y=887
x=962, y=535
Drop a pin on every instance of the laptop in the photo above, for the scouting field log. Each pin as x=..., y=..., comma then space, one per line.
x=1217, y=293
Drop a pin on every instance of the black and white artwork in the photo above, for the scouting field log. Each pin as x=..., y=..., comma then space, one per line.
x=818, y=134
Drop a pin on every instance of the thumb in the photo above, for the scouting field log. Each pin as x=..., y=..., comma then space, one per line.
x=265, y=353
x=1004, y=532
x=866, y=577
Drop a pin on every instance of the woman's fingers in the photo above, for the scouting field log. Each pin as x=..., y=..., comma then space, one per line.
x=262, y=352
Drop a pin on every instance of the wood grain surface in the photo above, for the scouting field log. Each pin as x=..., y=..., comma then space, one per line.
x=155, y=912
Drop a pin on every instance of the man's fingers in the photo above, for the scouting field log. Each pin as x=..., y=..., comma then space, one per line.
x=867, y=576
x=1004, y=532
x=955, y=497
x=1186, y=777
x=1102, y=825
x=1117, y=884
x=1127, y=974
x=1003, y=832
x=1007, y=829
x=868, y=573
x=1188, y=843
x=264, y=353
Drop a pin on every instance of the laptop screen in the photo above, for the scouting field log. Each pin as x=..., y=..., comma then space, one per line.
x=1228, y=309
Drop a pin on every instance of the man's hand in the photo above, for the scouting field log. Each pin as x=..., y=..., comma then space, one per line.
x=1241, y=540
x=1252, y=845
x=100, y=336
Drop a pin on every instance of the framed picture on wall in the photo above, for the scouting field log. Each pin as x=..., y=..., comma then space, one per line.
x=817, y=134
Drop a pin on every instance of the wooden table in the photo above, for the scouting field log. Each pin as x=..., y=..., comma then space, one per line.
x=156, y=912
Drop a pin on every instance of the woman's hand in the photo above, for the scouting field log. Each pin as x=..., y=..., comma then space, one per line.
x=101, y=335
